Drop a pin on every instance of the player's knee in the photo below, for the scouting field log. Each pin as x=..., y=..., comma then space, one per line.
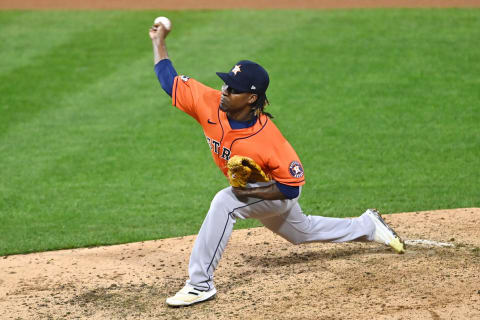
x=221, y=201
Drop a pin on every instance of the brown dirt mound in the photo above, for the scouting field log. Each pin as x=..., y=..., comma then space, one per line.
x=261, y=276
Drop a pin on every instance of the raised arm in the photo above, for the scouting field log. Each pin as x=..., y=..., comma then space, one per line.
x=158, y=33
x=163, y=66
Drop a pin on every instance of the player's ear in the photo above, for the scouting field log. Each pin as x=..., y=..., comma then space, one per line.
x=253, y=97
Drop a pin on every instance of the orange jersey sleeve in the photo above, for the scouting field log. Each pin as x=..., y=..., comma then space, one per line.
x=272, y=152
x=193, y=97
x=284, y=164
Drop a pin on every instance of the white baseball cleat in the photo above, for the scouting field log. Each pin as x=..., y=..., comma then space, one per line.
x=189, y=295
x=383, y=233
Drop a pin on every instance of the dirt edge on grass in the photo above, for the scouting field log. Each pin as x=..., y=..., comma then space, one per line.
x=261, y=276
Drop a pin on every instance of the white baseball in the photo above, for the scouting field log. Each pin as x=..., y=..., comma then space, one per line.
x=165, y=21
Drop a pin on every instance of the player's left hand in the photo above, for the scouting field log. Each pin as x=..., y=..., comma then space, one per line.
x=242, y=170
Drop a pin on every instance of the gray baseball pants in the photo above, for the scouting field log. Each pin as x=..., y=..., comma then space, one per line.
x=284, y=217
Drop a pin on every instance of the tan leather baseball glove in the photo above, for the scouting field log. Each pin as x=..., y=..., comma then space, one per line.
x=242, y=170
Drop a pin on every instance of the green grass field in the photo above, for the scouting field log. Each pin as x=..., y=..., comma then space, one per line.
x=382, y=107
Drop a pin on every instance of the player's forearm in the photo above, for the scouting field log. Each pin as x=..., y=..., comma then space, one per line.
x=159, y=51
x=270, y=192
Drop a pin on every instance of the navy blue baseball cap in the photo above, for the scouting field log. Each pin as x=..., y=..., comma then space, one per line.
x=247, y=76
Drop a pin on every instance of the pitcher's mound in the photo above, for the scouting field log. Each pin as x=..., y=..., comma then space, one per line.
x=261, y=276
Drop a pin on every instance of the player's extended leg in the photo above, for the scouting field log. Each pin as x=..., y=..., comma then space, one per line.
x=209, y=246
x=283, y=217
x=296, y=227
x=213, y=237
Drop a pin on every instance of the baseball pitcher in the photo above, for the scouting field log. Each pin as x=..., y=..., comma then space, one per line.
x=265, y=173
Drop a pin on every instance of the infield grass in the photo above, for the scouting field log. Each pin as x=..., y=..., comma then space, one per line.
x=382, y=107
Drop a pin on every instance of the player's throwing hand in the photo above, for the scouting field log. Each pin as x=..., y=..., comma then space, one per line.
x=158, y=32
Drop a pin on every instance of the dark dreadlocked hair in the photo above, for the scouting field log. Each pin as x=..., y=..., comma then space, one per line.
x=259, y=106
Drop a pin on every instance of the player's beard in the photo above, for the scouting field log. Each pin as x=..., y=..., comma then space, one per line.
x=223, y=105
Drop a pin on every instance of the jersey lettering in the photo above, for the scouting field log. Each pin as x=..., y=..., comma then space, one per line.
x=216, y=144
x=226, y=153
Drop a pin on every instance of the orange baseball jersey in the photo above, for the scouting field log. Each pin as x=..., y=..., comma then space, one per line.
x=262, y=142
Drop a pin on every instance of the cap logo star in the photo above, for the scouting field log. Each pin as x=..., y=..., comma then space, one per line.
x=236, y=69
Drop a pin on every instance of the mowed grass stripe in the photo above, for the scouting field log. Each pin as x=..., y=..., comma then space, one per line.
x=98, y=121
x=107, y=165
x=401, y=98
x=27, y=35
x=376, y=122
x=85, y=55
